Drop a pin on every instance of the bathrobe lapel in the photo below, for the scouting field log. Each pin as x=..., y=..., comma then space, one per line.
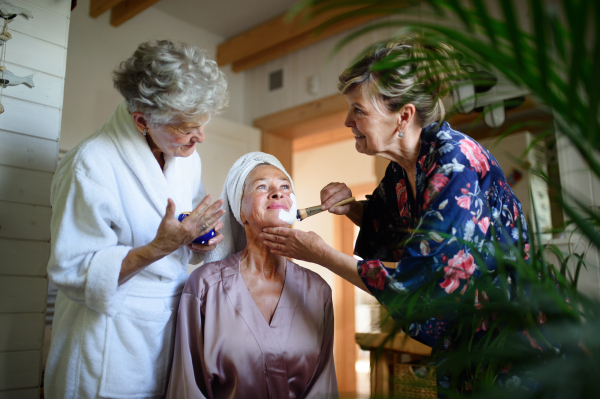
x=271, y=339
x=136, y=153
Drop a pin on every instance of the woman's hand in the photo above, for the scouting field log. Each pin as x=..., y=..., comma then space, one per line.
x=172, y=234
x=296, y=244
x=310, y=247
x=212, y=244
x=332, y=194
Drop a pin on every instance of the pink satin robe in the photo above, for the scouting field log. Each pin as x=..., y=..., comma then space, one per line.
x=224, y=347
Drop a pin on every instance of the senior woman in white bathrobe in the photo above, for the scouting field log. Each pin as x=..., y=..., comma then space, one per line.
x=119, y=255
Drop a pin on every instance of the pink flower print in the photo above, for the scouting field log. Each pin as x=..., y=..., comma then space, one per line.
x=460, y=267
x=532, y=341
x=526, y=251
x=464, y=201
x=375, y=274
x=515, y=211
x=541, y=318
x=483, y=325
x=435, y=185
x=484, y=224
x=477, y=159
x=402, y=198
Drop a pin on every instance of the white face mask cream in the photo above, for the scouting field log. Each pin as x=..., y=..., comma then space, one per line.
x=289, y=216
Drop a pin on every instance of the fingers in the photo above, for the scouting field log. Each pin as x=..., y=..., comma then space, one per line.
x=334, y=193
x=219, y=225
x=201, y=248
x=170, y=212
x=216, y=240
x=205, y=207
x=340, y=210
x=272, y=237
x=280, y=231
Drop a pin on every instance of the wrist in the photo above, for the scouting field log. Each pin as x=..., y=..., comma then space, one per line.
x=153, y=251
x=326, y=256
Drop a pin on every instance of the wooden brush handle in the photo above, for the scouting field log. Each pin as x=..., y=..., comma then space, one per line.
x=344, y=202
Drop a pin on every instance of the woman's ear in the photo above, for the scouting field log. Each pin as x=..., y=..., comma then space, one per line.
x=406, y=116
x=140, y=121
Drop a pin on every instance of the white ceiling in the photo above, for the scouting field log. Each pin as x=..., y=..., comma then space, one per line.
x=226, y=18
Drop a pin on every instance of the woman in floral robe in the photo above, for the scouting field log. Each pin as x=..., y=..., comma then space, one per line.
x=442, y=199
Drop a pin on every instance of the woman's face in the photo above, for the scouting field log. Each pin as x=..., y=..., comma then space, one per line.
x=177, y=140
x=267, y=192
x=374, y=131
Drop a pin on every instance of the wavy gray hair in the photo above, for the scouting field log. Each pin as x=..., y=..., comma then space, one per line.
x=423, y=73
x=171, y=82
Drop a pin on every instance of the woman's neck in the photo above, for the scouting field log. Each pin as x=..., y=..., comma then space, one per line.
x=158, y=154
x=258, y=259
x=405, y=150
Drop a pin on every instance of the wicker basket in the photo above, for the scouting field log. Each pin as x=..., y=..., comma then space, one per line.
x=414, y=381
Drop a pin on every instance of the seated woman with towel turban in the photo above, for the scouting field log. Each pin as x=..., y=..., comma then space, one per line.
x=252, y=324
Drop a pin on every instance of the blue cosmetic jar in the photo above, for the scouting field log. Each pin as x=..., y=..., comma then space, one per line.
x=203, y=239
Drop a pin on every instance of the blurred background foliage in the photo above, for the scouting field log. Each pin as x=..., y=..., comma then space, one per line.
x=552, y=49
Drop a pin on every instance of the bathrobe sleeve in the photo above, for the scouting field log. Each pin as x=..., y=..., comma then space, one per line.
x=189, y=374
x=86, y=256
x=323, y=383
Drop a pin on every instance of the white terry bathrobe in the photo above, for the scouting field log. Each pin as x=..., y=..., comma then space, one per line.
x=109, y=195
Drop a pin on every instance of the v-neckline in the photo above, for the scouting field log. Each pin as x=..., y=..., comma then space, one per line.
x=281, y=296
x=271, y=338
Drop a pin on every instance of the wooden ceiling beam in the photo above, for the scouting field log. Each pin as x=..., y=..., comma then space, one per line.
x=99, y=7
x=128, y=9
x=280, y=36
x=284, y=123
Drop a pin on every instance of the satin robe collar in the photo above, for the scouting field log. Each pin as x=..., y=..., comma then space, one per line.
x=272, y=345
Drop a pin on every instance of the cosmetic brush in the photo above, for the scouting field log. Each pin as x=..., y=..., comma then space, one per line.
x=313, y=210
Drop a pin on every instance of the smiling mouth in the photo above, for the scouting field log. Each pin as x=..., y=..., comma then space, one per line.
x=278, y=207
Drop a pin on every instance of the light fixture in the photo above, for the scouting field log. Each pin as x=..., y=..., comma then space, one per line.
x=494, y=115
x=464, y=96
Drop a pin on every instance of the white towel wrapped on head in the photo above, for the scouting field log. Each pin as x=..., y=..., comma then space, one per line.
x=233, y=190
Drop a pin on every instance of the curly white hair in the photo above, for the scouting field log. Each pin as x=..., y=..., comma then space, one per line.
x=171, y=82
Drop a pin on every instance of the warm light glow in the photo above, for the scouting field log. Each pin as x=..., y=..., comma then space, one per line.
x=362, y=366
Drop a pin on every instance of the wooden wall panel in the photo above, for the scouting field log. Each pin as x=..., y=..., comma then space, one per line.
x=23, y=258
x=29, y=134
x=29, y=222
x=17, y=118
x=60, y=7
x=23, y=295
x=28, y=152
x=21, y=332
x=279, y=147
x=25, y=186
x=46, y=25
x=48, y=89
x=20, y=369
x=37, y=54
x=28, y=393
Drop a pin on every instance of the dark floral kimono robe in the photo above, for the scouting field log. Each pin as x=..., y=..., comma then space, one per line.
x=461, y=193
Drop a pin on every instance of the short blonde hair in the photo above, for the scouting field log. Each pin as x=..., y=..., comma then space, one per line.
x=418, y=72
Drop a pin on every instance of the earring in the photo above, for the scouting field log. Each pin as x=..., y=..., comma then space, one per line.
x=145, y=132
x=400, y=134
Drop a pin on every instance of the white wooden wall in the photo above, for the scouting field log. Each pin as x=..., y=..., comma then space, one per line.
x=29, y=134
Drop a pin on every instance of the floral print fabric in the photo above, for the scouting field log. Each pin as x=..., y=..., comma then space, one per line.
x=461, y=192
